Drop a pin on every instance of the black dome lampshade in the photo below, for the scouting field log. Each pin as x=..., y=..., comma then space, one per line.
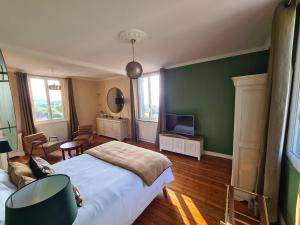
x=47, y=201
x=4, y=146
x=134, y=69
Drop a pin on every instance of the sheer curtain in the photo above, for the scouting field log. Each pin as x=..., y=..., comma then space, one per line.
x=277, y=104
x=161, y=125
x=133, y=97
x=73, y=119
x=25, y=104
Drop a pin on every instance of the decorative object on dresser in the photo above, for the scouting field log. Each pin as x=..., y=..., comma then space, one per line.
x=72, y=145
x=248, y=130
x=192, y=146
x=39, y=141
x=114, y=128
x=84, y=134
x=47, y=201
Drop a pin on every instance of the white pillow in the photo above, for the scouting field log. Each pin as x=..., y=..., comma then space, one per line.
x=6, y=189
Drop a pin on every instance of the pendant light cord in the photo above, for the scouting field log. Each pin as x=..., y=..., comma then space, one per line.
x=132, y=43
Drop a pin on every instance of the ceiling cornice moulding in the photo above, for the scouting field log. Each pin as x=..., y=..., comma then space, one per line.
x=60, y=59
x=222, y=56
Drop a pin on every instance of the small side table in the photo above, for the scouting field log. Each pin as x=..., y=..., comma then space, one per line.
x=72, y=145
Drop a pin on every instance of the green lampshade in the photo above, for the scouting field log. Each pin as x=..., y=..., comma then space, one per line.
x=4, y=146
x=48, y=201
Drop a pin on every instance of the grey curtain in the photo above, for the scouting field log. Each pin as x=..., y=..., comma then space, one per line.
x=73, y=120
x=134, y=136
x=161, y=125
x=25, y=104
x=277, y=102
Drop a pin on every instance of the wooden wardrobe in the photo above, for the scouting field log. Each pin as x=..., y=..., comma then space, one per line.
x=250, y=94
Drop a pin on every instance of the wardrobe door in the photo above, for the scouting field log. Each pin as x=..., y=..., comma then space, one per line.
x=248, y=129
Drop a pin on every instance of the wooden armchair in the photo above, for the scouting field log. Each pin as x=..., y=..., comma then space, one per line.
x=85, y=134
x=39, y=141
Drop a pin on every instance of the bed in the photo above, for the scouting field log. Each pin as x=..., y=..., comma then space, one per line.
x=111, y=195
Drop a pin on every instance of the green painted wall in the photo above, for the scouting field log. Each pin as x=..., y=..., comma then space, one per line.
x=206, y=91
x=290, y=179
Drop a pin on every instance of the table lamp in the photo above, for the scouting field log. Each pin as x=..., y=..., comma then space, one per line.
x=5, y=147
x=47, y=201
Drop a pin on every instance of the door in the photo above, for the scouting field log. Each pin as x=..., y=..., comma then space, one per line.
x=178, y=145
x=192, y=148
x=165, y=143
x=100, y=127
x=108, y=128
x=116, y=129
x=248, y=131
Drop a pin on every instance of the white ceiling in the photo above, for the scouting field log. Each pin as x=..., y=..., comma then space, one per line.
x=80, y=38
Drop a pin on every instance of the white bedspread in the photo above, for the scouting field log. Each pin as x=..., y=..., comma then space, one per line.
x=111, y=195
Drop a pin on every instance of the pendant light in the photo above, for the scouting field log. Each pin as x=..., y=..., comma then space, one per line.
x=134, y=69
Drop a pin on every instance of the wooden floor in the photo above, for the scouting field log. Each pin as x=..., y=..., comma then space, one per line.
x=197, y=196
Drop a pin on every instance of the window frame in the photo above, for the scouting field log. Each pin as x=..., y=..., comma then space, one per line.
x=146, y=75
x=294, y=116
x=45, y=80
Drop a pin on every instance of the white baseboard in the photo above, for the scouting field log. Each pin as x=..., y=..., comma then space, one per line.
x=217, y=154
x=148, y=141
x=282, y=221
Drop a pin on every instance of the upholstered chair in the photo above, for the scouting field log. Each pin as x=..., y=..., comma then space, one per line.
x=39, y=141
x=85, y=134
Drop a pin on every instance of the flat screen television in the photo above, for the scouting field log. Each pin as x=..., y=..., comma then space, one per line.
x=180, y=124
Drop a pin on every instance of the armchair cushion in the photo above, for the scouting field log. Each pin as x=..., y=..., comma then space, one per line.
x=40, y=141
x=29, y=140
x=84, y=137
x=85, y=129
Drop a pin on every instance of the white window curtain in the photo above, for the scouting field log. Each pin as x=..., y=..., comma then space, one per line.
x=277, y=102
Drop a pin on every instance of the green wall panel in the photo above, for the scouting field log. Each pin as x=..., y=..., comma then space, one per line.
x=206, y=91
x=290, y=179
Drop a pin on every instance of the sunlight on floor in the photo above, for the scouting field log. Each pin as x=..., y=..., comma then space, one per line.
x=193, y=210
x=176, y=202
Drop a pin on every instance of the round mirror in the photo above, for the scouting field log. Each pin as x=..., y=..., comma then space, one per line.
x=8, y=128
x=115, y=100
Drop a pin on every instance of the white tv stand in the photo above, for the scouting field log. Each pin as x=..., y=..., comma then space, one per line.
x=192, y=146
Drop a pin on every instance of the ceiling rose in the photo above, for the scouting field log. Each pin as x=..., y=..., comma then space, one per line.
x=133, y=69
x=132, y=34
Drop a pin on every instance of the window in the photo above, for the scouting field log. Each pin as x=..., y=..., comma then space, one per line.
x=293, y=139
x=148, y=87
x=46, y=98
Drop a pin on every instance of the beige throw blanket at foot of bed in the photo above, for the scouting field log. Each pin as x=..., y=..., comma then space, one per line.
x=147, y=164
